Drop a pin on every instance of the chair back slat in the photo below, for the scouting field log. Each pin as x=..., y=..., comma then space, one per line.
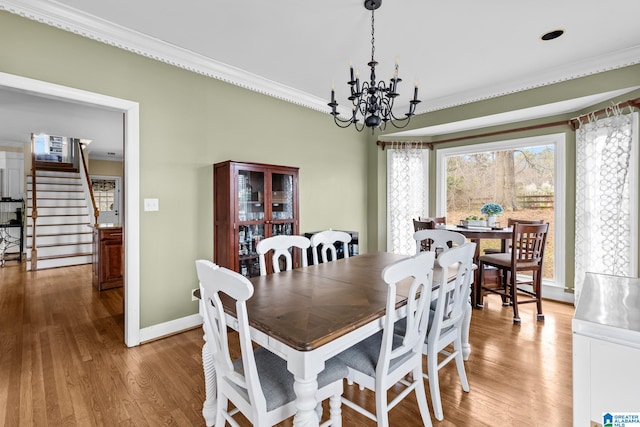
x=418, y=269
x=528, y=240
x=282, y=247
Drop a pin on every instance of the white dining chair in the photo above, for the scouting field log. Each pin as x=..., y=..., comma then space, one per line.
x=385, y=359
x=258, y=384
x=281, y=245
x=324, y=241
x=447, y=319
x=434, y=239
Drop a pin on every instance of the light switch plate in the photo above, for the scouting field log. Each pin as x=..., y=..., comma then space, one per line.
x=151, y=205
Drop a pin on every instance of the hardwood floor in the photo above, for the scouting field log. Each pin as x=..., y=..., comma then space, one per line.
x=63, y=363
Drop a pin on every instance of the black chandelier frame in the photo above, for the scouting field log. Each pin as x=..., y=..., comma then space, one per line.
x=373, y=101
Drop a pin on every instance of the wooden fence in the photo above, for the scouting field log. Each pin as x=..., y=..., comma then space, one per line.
x=535, y=201
x=525, y=201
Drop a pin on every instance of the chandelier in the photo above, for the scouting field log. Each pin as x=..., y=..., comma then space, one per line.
x=372, y=103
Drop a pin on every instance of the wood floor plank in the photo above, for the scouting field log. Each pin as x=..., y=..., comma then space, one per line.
x=63, y=362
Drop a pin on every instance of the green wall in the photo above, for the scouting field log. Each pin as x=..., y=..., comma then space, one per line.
x=597, y=83
x=188, y=122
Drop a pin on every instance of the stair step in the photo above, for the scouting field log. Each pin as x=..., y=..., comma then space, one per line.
x=54, y=262
x=60, y=239
x=76, y=195
x=62, y=251
x=40, y=173
x=52, y=229
x=60, y=220
x=58, y=187
x=55, y=166
x=58, y=210
x=58, y=245
x=57, y=203
x=60, y=256
x=54, y=177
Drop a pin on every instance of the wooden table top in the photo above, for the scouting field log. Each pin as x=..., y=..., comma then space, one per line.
x=481, y=233
x=308, y=307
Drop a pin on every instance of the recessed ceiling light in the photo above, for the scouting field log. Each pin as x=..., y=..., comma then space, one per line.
x=552, y=35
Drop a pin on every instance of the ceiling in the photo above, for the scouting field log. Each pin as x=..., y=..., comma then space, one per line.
x=459, y=52
x=23, y=113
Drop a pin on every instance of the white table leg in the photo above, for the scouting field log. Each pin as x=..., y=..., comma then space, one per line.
x=209, y=406
x=466, y=323
x=306, y=402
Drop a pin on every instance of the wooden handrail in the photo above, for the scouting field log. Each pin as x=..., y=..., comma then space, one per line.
x=34, y=207
x=96, y=211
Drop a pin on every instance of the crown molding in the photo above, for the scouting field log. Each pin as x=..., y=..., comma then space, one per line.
x=85, y=25
x=574, y=70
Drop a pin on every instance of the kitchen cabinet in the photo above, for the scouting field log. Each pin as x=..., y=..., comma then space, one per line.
x=606, y=350
x=108, y=257
x=252, y=201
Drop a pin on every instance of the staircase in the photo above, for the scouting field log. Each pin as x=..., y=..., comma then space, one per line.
x=63, y=236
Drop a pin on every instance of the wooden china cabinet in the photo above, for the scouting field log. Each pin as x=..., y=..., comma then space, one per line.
x=252, y=201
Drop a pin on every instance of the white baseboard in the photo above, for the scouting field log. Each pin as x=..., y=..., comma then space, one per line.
x=557, y=293
x=554, y=293
x=169, y=328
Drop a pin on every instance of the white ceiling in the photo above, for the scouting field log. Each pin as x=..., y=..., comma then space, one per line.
x=22, y=113
x=459, y=51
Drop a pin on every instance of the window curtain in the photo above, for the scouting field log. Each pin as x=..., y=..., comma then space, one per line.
x=606, y=196
x=406, y=194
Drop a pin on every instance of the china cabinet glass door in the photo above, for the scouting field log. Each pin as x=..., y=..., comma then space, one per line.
x=251, y=219
x=282, y=208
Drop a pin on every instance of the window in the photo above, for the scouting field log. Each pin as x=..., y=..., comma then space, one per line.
x=526, y=175
x=104, y=193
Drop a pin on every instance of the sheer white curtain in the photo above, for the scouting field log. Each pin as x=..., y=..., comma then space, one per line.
x=606, y=196
x=406, y=194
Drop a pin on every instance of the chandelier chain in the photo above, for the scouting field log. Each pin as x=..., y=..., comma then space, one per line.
x=373, y=37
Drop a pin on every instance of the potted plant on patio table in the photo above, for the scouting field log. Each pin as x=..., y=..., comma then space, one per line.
x=491, y=211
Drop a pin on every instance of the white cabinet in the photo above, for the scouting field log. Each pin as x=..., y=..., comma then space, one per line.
x=606, y=349
x=11, y=175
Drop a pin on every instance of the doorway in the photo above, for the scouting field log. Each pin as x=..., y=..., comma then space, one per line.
x=131, y=212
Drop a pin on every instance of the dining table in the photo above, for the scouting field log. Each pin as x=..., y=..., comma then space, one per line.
x=477, y=234
x=309, y=315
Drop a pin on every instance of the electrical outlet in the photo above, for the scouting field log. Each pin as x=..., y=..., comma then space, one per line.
x=193, y=297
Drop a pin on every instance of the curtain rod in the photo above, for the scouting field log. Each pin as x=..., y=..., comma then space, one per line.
x=575, y=122
x=572, y=123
